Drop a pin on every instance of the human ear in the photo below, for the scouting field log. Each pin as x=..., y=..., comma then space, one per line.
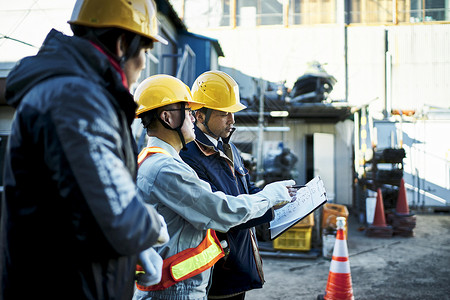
x=199, y=116
x=120, y=46
x=166, y=117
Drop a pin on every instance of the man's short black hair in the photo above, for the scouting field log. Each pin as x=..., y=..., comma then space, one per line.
x=148, y=118
x=107, y=37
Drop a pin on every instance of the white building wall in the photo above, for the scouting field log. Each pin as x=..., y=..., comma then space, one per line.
x=344, y=162
x=366, y=66
x=420, y=59
x=421, y=65
x=427, y=163
x=277, y=54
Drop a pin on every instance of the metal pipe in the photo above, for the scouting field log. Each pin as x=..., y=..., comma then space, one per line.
x=259, y=162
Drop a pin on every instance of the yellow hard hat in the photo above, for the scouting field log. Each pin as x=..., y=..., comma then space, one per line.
x=138, y=16
x=217, y=90
x=160, y=90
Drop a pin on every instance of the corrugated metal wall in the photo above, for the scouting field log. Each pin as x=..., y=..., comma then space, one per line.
x=420, y=65
x=366, y=65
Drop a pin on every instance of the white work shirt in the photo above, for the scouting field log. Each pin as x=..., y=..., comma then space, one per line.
x=213, y=140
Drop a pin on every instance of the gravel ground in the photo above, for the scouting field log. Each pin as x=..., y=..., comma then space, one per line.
x=381, y=268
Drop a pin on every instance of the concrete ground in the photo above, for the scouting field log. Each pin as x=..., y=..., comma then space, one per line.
x=381, y=268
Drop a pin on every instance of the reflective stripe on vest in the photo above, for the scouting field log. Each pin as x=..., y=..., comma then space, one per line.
x=189, y=262
x=147, y=151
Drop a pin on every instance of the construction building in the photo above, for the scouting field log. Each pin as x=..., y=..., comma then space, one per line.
x=391, y=65
x=389, y=61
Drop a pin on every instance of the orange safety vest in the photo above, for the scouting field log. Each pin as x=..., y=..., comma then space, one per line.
x=189, y=262
x=148, y=151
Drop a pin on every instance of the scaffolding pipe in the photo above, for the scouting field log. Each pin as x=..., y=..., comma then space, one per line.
x=259, y=158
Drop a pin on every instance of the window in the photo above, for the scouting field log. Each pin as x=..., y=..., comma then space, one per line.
x=369, y=11
x=207, y=13
x=312, y=12
x=250, y=13
x=259, y=12
x=393, y=11
x=429, y=10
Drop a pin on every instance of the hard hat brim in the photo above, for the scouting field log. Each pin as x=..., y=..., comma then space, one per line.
x=193, y=105
x=231, y=109
x=154, y=37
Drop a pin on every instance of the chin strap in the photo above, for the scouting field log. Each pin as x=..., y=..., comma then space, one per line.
x=178, y=128
x=227, y=139
x=205, y=124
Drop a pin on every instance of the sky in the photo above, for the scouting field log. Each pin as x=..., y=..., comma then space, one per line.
x=29, y=21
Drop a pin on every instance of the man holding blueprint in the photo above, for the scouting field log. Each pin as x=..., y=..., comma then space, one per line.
x=309, y=198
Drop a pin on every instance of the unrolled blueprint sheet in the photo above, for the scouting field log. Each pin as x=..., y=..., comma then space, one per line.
x=309, y=198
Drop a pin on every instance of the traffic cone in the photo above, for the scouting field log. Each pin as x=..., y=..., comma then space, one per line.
x=402, y=203
x=379, y=228
x=403, y=222
x=379, y=219
x=339, y=285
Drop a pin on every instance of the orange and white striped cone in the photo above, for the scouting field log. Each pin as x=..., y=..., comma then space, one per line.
x=339, y=285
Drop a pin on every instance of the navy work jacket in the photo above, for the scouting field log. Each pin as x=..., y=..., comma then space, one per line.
x=71, y=219
x=241, y=270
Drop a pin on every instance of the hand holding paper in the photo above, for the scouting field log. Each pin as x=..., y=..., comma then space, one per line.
x=277, y=192
x=292, y=190
x=308, y=198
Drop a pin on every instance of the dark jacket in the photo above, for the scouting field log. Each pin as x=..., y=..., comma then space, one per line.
x=241, y=270
x=71, y=223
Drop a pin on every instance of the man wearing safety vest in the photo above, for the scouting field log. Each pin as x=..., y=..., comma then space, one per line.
x=192, y=211
x=217, y=161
